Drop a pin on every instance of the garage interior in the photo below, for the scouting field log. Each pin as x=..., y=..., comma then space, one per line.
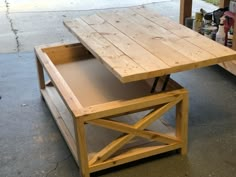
x=31, y=144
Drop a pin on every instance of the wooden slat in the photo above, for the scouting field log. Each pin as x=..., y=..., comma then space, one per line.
x=140, y=55
x=220, y=52
x=61, y=124
x=168, y=38
x=64, y=90
x=165, y=22
x=146, y=38
x=115, y=60
x=125, y=128
x=132, y=155
x=118, y=107
x=110, y=149
x=67, y=53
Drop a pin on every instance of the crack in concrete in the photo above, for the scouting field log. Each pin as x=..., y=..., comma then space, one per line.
x=12, y=26
x=57, y=164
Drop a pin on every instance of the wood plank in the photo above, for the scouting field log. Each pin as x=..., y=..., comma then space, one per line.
x=170, y=39
x=61, y=124
x=110, y=149
x=67, y=53
x=125, y=128
x=120, y=106
x=115, y=60
x=221, y=52
x=137, y=53
x=165, y=22
x=62, y=109
x=63, y=89
x=148, y=39
x=133, y=155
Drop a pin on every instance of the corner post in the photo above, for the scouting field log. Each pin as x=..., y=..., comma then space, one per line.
x=40, y=74
x=182, y=122
x=82, y=147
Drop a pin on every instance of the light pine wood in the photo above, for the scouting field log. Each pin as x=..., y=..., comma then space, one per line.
x=118, y=126
x=116, y=108
x=40, y=74
x=145, y=37
x=134, y=154
x=147, y=44
x=182, y=122
x=61, y=109
x=72, y=117
x=59, y=83
x=60, y=122
x=82, y=147
x=134, y=44
x=213, y=49
x=116, y=61
x=67, y=53
x=110, y=149
x=143, y=17
x=140, y=55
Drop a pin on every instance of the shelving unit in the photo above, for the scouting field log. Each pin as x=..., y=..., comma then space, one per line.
x=186, y=11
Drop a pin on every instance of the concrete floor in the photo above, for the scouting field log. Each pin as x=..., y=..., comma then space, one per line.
x=31, y=144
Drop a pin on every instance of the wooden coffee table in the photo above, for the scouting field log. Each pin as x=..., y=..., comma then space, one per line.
x=102, y=82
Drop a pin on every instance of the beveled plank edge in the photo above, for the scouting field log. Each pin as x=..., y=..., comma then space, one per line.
x=185, y=67
x=60, y=123
x=63, y=89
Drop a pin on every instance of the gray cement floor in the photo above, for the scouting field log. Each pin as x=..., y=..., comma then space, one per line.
x=31, y=144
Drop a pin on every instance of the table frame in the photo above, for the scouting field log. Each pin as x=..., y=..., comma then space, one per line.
x=100, y=115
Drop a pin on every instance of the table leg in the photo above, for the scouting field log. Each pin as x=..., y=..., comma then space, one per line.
x=40, y=74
